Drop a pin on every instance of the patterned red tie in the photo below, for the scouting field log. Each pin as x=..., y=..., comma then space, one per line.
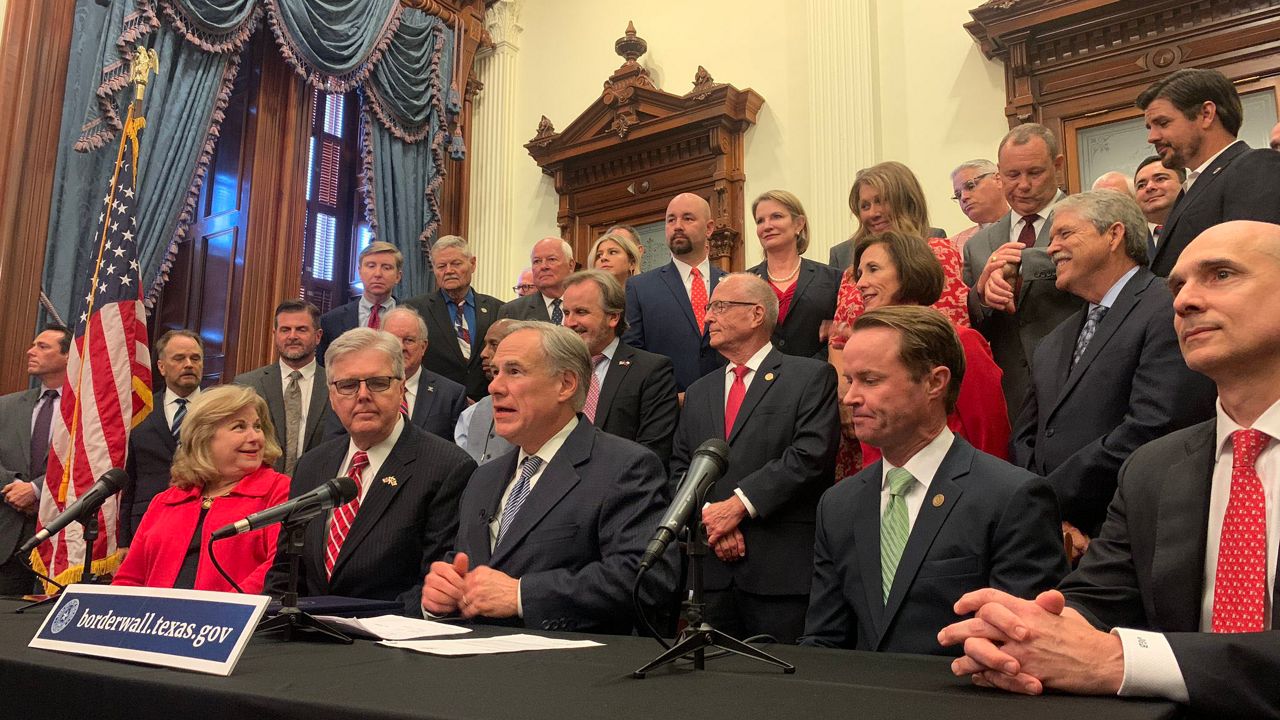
x=1028, y=235
x=344, y=516
x=698, y=298
x=593, y=389
x=374, y=321
x=737, y=391
x=1240, y=584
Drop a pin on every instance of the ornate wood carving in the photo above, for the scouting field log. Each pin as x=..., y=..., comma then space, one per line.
x=1069, y=60
x=637, y=146
x=466, y=16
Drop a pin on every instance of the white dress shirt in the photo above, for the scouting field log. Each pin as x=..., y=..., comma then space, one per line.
x=1192, y=175
x=1150, y=667
x=686, y=277
x=377, y=455
x=171, y=403
x=411, y=389
x=753, y=364
x=602, y=369
x=305, y=384
x=549, y=301
x=366, y=308
x=922, y=466
x=1016, y=222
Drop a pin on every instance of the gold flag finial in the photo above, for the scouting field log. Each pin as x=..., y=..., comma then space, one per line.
x=144, y=63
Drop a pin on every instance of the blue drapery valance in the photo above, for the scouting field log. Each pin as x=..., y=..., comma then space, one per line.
x=401, y=59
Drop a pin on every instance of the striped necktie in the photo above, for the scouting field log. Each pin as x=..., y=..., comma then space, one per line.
x=895, y=527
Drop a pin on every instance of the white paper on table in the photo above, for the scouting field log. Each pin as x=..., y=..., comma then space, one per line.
x=489, y=646
x=394, y=627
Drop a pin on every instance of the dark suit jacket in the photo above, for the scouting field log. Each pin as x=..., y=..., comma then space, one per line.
x=638, y=400
x=15, y=460
x=995, y=526
x=440, y=401
x=1041, y=306
x=659, y=297
x=814, y=302
x=1240, y=184
x=529, y=307
x=335, y=322
x=576, y=543
x=266, y=382
x=1131, y=386
x=444, y=357
x=151, y=449
x=842, y=252
x=781, y=454
x=401, y=528
x=1146, y=571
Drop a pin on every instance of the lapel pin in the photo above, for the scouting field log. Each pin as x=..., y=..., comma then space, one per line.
x=938, y=500
x=484, y=310
x=431, y=388
x=769, y=377
x=624, y=363
x=391, y=480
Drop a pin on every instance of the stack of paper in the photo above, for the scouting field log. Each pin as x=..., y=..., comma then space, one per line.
x=489, y=646
x=393, y=627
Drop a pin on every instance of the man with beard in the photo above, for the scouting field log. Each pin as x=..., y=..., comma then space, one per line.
x=673, y=298
x=180, y=359
x=294, y=386
x=551, y=262
x=475, y=432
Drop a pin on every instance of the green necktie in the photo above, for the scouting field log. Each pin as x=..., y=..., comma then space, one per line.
x=894, y=527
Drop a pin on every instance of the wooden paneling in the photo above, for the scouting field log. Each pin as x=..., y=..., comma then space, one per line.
x=33, y=52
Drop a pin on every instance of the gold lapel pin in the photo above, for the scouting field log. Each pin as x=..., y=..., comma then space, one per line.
x=391, y=480
x=938, y=500
x=769, y=377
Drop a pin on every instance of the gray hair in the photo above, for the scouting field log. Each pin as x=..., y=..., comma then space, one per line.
x=406, y=310
x=565, y=248
x=564, y=352
x=1104, y=208
x=1107, y=179
x=363, y=338
x=983, y=167
x=759, y=291
x=1022, y=135
x=453, y=242
x=612, y=297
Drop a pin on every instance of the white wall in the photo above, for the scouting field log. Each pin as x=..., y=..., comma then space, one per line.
x=940, y=103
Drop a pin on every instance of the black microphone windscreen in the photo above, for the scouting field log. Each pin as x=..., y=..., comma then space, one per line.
x=716, y=449
x=115, y=479
x=346, y=490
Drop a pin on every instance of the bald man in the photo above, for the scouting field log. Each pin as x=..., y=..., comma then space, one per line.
x=551, y=261
x=673, y=298
x=1114, y=180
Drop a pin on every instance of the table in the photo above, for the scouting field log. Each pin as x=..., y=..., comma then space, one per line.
x=365, y=681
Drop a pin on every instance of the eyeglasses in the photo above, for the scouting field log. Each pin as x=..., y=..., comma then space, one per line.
x=526, y=288
x=969, y=185
x=409, y=342
x=351, y=386
x=719, y=306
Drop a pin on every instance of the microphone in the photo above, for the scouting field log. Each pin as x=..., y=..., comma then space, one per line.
x=109, y=484
x=338, y=491
x=708, y=464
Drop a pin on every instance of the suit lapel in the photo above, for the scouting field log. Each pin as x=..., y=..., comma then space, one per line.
x=618, y=369
x=671, y=276
x=275, y=399
x=398, y=467
x=438, y=309
x=317, y=404
x=716, y=400
x=1125, y=304
x=764, y=378
x=478, y=538
x=928, y=522
x=1188, y=198
x=559, y=477
x=1042, y=241
x=807, y=272
x=27, y=406
x=866, y=538
x=1182, y=522
x=158, y=422
x=426, y=398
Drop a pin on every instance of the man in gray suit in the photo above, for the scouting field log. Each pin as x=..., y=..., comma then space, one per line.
x=26, y=419
x=294, y=387
x=551, y=262
x=1110, y=377
x=475, y=431
x=1014, y=302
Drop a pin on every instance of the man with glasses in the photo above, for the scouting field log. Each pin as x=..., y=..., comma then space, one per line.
x=551, y=261
x=980, y=194
x=379, y=545
x=524, y=284
x=778, y=413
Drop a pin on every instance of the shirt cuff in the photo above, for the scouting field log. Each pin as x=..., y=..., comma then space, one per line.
x=519, y=600
x=751, y=509
x=1150, y=667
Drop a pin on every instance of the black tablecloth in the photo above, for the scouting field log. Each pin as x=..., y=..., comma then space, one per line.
x=313, y=681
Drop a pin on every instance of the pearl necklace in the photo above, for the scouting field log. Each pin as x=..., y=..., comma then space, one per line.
x=781, y=279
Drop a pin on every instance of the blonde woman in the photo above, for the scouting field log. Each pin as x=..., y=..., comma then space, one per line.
x=617, y=255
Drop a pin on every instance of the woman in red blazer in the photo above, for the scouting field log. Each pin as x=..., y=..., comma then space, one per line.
x=894, y=268
x=221, y=473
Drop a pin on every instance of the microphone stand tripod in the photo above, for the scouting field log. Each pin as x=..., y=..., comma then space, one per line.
x=90, y=527
x=698, y=635
x=291, y=622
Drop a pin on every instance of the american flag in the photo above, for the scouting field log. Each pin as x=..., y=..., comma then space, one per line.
x=108, y=372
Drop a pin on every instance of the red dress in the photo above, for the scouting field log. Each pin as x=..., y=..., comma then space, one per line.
x=163, y=535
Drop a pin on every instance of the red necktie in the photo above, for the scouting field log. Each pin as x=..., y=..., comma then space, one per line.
x=1240, y=584
x=593, y=389
x=698, y=297
x=736, y=392
x=374, y=322
x=344, y=516
x=1028, y=235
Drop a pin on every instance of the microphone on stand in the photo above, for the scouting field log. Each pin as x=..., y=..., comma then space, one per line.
x=705, y=468
x=335, y=492
x=109, y=484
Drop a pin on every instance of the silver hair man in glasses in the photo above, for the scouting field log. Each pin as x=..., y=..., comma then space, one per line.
x=379, y=545
x=977, y=188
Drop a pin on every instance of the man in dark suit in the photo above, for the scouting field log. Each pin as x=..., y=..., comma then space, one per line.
x=631, y=393
x=379, y=545
x=456, y=310
x=1156, y=187
x=1014, y=302
x=666, y=306
x=551, y=262
x=778, y=413
x=900, y=541
x=294, y=387
x=1109, y=378
x=1175, y=597
x=180, y=360
x=431, y=401
x=381, y=266
x=551, y=535
x=841, y=254
x=1193, y=117
x=26, y=419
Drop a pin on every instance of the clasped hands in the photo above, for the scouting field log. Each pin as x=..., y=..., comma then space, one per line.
x=456, y=588
x=1027, y=646
x=723, y=535
x=996, y=283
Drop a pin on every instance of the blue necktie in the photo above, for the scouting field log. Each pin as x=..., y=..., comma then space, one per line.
x=518, y=495
x=178, y=415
